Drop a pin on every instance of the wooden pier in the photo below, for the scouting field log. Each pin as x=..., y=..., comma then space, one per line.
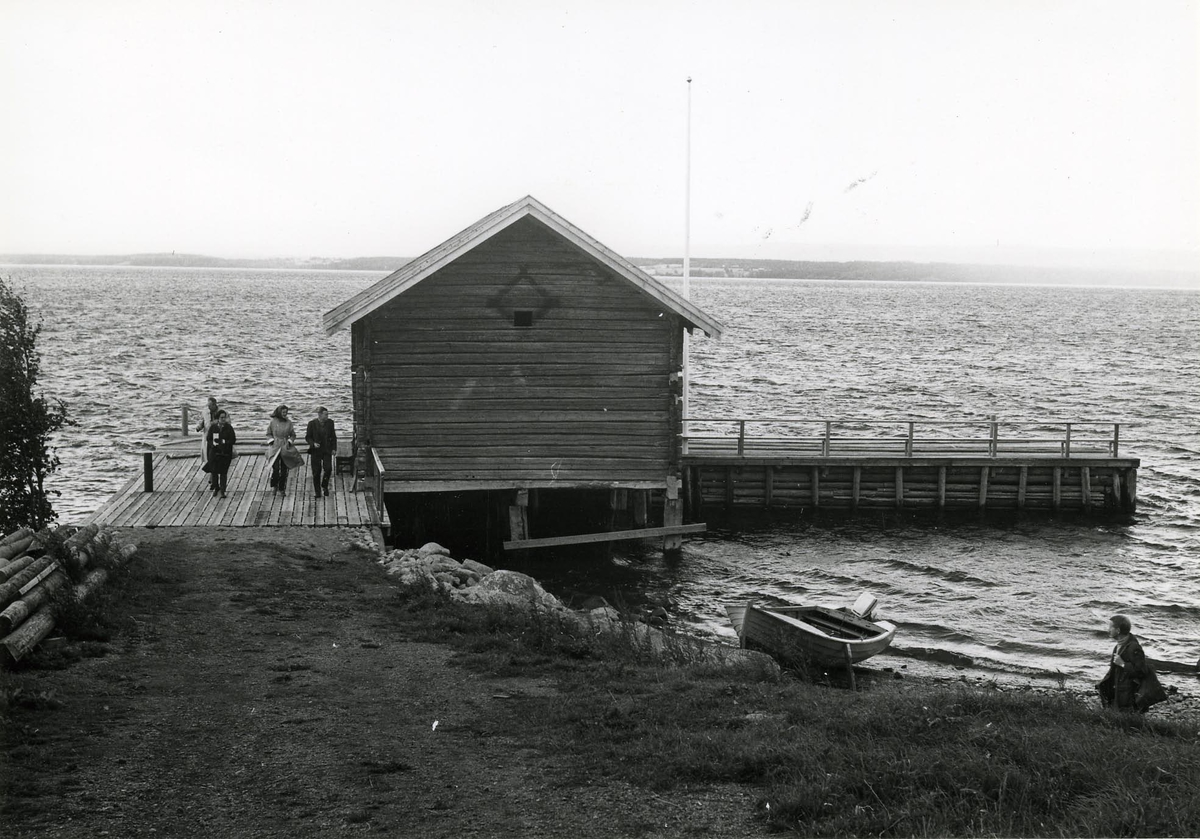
x=860, y=464
x=179, y=495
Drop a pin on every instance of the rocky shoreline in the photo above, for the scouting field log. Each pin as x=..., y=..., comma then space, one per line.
x=469, y=581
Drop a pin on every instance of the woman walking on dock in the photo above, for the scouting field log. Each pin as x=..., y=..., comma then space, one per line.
x=221, y=437
x=207, y=417
x=282, y=433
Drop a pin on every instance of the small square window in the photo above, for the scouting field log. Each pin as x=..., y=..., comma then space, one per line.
x=523, y=318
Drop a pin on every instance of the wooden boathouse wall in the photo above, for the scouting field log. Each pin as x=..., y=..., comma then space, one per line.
x=521, y=364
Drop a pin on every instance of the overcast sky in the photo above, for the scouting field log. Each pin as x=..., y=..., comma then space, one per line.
x=997, y=131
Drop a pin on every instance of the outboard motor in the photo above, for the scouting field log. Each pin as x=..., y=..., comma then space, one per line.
x=865, y=605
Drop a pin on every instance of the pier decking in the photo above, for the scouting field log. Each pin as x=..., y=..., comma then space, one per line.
x=181, y=497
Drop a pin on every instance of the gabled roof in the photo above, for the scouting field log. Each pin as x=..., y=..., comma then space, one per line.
x=397, y=283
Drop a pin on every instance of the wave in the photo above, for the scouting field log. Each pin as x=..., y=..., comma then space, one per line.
x=953, y=576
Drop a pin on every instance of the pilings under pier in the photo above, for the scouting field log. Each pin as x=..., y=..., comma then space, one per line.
x=1096, y=485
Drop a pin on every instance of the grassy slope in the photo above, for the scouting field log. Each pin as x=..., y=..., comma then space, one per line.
x=899, y=758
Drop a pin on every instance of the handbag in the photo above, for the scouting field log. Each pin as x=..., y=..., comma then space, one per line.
x=292, y=457
x=1150, y=691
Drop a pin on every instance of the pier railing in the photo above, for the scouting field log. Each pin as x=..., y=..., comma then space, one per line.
x=763, y=437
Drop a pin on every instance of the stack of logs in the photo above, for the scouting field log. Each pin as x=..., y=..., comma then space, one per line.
x=30, y=575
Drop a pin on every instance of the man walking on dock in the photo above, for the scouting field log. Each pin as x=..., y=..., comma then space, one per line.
x=322, y=443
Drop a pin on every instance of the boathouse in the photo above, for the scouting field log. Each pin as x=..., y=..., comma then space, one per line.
x=521, y=359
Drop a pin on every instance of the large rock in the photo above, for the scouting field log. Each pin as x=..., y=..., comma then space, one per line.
x=509, y=588
x=478, y=567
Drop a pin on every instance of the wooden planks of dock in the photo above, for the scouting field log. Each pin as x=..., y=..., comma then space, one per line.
x=181, y=498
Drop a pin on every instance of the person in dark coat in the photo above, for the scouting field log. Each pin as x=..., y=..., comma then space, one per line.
x=322, y=443
x=1127, y=668
x=221, y=438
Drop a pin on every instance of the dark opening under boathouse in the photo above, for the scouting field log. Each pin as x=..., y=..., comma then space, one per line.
x=524, y=368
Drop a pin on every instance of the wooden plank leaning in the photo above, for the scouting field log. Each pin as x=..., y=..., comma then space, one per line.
x=11, y=590
x=612, y=536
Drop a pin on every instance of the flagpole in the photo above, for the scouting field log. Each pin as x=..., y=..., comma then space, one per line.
x=687, y=259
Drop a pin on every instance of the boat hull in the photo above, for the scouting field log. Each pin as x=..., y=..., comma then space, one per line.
x=810, y=634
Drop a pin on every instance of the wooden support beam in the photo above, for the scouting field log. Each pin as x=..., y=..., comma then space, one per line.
x=641, y=502
x=1022, y=482
x=815, y=477
x=518, y=516
x=1085, y=486
x=672, y=516
x=619, y=500
x=614, y=536
x=855, y=487
x=1116, y=488
x=983, y=486
x=941, y=487
x=899, y=486
x=1056, y=487
x=1130, y=490
x=697, y=492
x=768, y=485
x=728, y=488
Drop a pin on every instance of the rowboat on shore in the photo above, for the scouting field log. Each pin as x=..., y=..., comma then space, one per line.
x=814, y=634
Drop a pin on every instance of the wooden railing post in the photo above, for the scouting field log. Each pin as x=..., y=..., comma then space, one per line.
x=1116, y=441
x=741, y=437
x=993, y=443
x=377, y=463
x=908, y=445
x=148, y=471
x=825, y=442
x=186, y=424
x=1067, y=442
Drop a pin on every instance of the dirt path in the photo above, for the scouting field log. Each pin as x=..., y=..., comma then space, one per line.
x=267, y=692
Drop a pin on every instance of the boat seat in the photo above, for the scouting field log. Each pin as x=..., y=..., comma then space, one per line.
x=864, y=606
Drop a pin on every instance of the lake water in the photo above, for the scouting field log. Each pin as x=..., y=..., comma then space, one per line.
x=1029, y=596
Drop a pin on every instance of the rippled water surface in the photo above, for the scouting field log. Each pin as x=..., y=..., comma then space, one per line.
x=126, y=347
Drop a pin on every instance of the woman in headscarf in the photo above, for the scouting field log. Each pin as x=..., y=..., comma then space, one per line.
x=281, y=432
x=207, y=417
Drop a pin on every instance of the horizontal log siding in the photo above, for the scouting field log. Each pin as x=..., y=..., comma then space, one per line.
x=458, y=393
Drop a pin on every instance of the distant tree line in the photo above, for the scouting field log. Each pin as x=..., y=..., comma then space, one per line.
x=191, y=260
x=699, y=267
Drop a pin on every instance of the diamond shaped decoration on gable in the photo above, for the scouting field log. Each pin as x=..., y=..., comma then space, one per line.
x=523, y=301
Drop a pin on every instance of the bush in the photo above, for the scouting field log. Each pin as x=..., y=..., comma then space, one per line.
x=26, y=422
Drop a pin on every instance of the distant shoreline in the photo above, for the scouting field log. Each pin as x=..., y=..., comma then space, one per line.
x=669, y=269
